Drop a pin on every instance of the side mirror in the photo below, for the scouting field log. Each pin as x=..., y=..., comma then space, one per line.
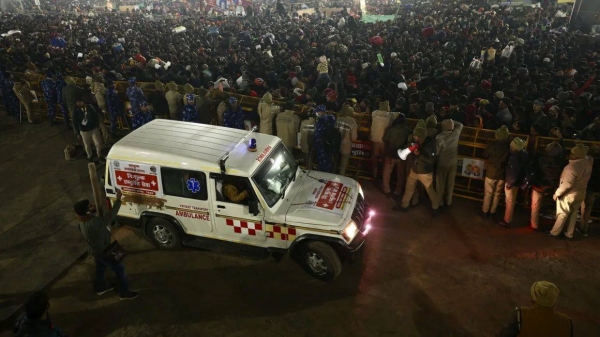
x=253, y=206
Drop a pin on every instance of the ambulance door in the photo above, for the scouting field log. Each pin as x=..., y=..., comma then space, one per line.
x=186, y=198
x=232, y=219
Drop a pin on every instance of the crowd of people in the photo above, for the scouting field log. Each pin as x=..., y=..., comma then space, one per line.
x=516, y=70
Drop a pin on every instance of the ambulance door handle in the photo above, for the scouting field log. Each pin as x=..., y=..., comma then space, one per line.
x=221, y=207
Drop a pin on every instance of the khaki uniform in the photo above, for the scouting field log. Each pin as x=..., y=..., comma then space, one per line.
x=288, y=125
x=174, y=100
x=541, y=321
x=25, y=96
x=221, y=108
x=496, y=154
x=395, y=138
x=266, y=114
x=380, y=120
x=349, y=130
x=307, y=131
x=100, y=94
x=446, y=144
x=571, y=193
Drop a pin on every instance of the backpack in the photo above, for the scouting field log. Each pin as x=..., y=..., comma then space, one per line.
x=73, y=151
x=333, y=138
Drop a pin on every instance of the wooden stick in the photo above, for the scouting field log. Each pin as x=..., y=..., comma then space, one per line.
x=96, y=189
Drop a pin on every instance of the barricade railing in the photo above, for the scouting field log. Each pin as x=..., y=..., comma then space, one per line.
x=472, y=142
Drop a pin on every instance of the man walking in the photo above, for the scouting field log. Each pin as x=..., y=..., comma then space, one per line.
x=495, y=154
x=539, y=319
x=96, y=232
x=446, y=145
x=571, y=190
x=515, y=172
x=85, y=122
x=421, y=169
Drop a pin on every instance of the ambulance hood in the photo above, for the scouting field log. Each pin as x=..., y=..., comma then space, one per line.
x=322, y=199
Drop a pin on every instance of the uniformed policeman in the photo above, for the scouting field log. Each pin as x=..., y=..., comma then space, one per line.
x=288, y=124
x=49, y=88
x=136, y=98
x=100, y=95
x=380, y=120
x=174, y=100
x=307, y=131
x=348, y=128
x=323, y=148
x=113, y=105
x=190, y=114
x=145, y=115
x=539, y=319
x=266, y=114
x=234, y=116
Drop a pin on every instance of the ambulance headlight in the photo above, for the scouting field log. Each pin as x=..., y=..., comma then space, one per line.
x=350, y=231
x=360, y=191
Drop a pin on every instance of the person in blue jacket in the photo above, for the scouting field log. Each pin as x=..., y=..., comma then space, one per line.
x=49, y=88
x=325, y=152
x=113, y=105
x=60, y=83
x=136, y=98
x=234, y=116
x=190, y=113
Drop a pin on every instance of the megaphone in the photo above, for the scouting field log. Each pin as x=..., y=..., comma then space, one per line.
x=404, y=153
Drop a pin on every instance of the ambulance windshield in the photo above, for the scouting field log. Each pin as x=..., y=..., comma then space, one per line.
x=275, y=175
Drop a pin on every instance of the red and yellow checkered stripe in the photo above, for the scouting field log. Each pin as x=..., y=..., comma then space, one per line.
x=281, y=233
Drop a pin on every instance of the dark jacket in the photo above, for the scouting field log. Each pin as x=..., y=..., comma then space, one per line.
x=25, y=327
x=95, y=230
x=205, y=106
x=537, y=321
x=85, y=119
x=496, y=154
x=394, y=138
x=159, y=103
x=594, y=182
x=70, y=93
x=547, y=172
x=515, y=170
x=423, y=163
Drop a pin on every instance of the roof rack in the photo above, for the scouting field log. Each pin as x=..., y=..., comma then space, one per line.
x=224, y=158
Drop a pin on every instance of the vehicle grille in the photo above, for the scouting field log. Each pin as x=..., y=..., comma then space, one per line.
x=361, y=212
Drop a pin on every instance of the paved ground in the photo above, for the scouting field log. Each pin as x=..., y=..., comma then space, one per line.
x=457, y=275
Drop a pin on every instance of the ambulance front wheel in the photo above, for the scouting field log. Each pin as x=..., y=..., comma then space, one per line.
x=163, y=234
x=321, y=260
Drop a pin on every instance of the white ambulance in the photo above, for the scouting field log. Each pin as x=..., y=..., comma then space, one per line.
x=224, y=189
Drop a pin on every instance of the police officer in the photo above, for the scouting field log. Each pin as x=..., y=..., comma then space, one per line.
x=539, y=319
x=70, y=93
x=325, y=123
x=265, y=112
x=288, y=124
x=136, y=98
x=380, y=120
x=395, y=138
x=146, y=114
x=23, y=92
x=49, y=88
x=348, y=128
x=100, y=95
x=190, y=114
x=307, y=131
x=114, y=106
x=234, y=116
x=446, y=143
x=60, y=85
x=515, y=173
x=496, y=155
x=548, y=167
x=174, y=100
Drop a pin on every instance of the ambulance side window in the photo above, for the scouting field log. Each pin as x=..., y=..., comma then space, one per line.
x=184, y=183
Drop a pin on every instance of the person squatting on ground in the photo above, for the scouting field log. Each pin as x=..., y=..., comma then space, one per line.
x=548, y=167
x=515, y=173
x=85, y=123
x=446, y=144
x=395, y=138
x=420, y=163
x=495, y=154
x=96, y=232
x=540, y=319
x=571, y=191
x=35, y=321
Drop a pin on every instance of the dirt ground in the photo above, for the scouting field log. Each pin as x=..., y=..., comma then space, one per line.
x=457, y=275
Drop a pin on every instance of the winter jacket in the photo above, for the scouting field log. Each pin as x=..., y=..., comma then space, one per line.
x=380, y=120
x=288, y=125
x=26, y=327
x=70, y=93
x=496, y=154
x=395, y=138
x=423, y=163
x=85, y=119
x=348, y=128
x=575, y=177
x=307, y=131
x=174, y=99
x=265, y=112
x=204, y=105
x=446, y=145
x=515, y=170
x=95, y=230
x=547, y=172
x=221, y=108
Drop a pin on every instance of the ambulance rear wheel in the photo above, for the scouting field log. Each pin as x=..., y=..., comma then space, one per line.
x=163, y=234
x=321, y=261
